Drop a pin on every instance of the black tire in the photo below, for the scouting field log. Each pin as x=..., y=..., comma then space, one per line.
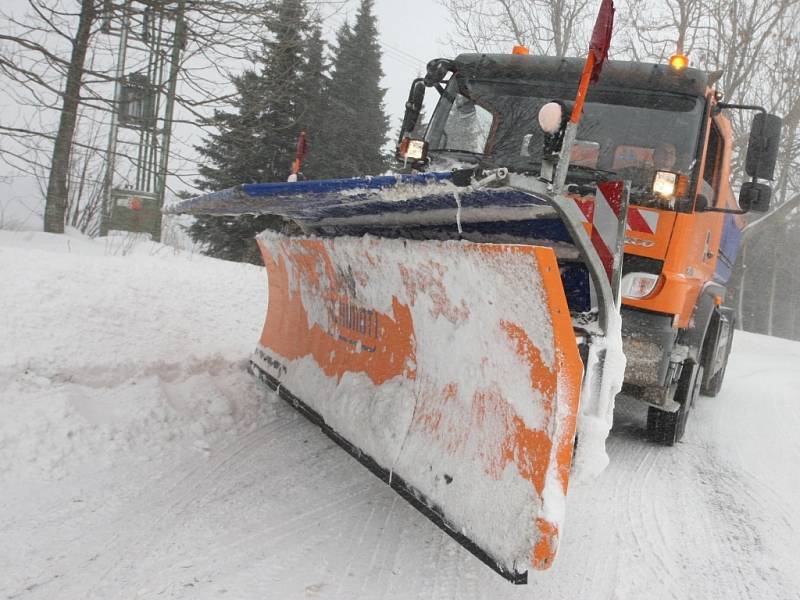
x=667, y=428
x=712, y=387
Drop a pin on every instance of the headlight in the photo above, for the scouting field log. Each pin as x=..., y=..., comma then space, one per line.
x=415, y=150
x=665, y=183
x=638, y=285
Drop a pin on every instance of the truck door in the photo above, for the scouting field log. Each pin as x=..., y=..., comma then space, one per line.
x=707, y=227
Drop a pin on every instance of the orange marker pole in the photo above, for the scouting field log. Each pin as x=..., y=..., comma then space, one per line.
x=300, y=153
x=571, y=130
x=583, y=88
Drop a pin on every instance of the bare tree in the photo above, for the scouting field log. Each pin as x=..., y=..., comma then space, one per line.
x=57, y=187
x=554, y=27
x=57, y=62
x=648, y=30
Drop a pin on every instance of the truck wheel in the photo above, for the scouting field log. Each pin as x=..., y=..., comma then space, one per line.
x=668, y=427
x=714, y=385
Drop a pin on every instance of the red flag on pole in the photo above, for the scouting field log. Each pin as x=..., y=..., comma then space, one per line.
x=601, y=37
x=302, y=147
x=300, y=153
x=598, y=53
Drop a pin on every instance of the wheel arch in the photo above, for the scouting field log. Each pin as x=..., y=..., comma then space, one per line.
x=693, y=337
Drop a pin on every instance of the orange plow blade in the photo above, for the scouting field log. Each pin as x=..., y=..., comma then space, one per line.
x=448, y=368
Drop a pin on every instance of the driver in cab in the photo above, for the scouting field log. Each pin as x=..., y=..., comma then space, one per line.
x=664, y=157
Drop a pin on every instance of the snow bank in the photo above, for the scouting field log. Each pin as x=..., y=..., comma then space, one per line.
x=51, y=426
x=119, y=346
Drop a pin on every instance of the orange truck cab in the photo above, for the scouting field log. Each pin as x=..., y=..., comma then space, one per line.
x=663, y=130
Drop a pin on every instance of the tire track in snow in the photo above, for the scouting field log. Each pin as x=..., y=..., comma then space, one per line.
x=342, y=564
x=413, y=544
x=648, y=505
x=202, y=479
x=383, y=555
x=294, y=537
x=374, y=533
x=679, y=528
x=349, y=537
x=745, y=562
x=672, y=524
x=346, y=498
x=675, y=542
x=640, y=512
x=753, y=439
x=136, y=518
x=150, y=511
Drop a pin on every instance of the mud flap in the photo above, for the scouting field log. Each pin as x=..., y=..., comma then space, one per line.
x=463, y=397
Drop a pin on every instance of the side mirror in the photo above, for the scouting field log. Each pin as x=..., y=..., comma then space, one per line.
x=755, y=196
x=762, y=148
x=436, y=70
x=416, y=97
x=700, y=204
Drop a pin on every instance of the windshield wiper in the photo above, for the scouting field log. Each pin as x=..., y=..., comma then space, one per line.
x=456, y=150
x=591, y=170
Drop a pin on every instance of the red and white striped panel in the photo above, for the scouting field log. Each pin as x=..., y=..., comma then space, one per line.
x=587, y=210
x=605, y=222
x=601, y=218
x=642, y=221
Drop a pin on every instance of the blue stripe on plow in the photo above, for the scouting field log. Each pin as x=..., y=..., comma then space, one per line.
x=311, y=201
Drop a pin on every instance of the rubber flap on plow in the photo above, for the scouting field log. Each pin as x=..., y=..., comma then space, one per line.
x=449, y=368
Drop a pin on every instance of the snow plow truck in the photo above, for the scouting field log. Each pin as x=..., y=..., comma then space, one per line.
x=459, y=325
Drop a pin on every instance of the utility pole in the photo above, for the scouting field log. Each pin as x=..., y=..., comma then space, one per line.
x=152, y=35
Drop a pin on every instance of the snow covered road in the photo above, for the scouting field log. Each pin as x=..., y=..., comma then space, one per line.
x=138, y=459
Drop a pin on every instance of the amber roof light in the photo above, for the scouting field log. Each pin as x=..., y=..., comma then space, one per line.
x=678, y=61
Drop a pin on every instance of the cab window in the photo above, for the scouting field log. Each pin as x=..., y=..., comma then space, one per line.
x=711, y=168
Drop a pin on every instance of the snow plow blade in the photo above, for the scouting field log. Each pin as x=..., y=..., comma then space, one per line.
x=451, y=335
x=464, y=400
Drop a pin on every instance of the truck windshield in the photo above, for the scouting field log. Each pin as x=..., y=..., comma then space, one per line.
x=626, y=134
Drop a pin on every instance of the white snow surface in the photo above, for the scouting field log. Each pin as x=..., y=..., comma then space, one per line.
x=139, y=459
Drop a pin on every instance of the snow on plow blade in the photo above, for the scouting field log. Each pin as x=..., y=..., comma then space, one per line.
x=426, y=327
x=462, y=397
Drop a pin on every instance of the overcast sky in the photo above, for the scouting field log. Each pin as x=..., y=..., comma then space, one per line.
x=411, y=34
